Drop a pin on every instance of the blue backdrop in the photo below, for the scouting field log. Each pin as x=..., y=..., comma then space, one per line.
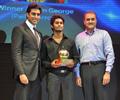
x=12, y=13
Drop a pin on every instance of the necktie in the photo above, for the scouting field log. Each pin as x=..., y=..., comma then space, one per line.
x=37, y=36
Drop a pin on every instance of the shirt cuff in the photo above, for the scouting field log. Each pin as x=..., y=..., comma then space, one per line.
x=77, y=70
x=109, y=68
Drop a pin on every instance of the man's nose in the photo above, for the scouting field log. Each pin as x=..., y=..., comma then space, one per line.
x=90, y=21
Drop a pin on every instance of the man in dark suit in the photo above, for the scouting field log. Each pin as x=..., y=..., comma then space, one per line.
x=26, y=47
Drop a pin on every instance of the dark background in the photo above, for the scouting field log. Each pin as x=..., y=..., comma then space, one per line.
x=7, y=83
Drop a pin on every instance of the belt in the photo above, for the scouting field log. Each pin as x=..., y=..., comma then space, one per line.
x=61, y=72
x=93, y=62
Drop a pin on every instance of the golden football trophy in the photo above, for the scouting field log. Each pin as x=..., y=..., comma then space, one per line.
x=63, y=57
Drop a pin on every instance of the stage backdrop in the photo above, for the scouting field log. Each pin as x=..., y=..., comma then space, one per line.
x=12, y=13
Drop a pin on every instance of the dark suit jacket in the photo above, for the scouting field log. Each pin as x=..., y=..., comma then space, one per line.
x=26, y=53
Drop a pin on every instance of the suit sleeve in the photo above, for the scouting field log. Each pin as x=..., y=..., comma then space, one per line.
x=45, y=59
x=17, y=45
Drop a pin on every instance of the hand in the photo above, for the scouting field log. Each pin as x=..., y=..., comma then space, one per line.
x=70, y=63
x=78, y=81
x=106, y=78
x=54, y=64
x=23, y=79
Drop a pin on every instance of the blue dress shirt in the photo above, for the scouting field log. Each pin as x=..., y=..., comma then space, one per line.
x=95, y=46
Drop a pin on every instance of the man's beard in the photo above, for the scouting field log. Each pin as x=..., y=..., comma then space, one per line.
x=58, y=30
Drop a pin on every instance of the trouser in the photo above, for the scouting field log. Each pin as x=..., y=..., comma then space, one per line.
x=92, y=76
x=60, y=83
x=31, y=91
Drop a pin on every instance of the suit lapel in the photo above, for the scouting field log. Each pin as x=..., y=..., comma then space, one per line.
x=31, y=35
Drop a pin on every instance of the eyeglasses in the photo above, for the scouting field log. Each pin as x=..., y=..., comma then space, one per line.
x=92, y=19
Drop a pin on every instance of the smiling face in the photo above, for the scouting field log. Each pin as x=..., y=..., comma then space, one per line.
x=90, y=21
x=34, y=16
x=58, y=25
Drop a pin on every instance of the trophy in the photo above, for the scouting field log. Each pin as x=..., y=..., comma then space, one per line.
x=63, y=57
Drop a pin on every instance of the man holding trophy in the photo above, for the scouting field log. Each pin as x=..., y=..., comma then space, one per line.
x=60, y=57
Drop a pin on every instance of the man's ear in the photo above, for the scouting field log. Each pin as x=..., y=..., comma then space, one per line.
x=51, y=26
x=84, y=22
x=27, y=15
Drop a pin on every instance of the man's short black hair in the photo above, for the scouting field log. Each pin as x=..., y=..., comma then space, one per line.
x=54, y=17
x=33, y=5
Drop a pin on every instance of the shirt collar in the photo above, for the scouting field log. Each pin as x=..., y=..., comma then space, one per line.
x=91, y=33
x=64, y=37
x=31, y=26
